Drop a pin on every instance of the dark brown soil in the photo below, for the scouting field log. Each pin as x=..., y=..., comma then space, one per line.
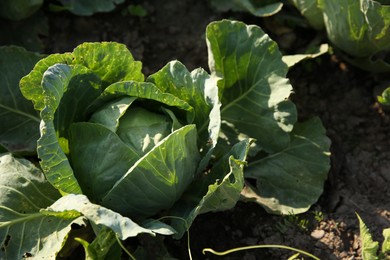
x=342, y=96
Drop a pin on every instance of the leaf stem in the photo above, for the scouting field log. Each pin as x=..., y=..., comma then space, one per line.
x=256, y=247
x=124, y=248
x=188, y=232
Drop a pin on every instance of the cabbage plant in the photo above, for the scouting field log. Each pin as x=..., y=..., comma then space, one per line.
x=17, y=10
x=360, y=29
x=119, y=151
x=258, y=8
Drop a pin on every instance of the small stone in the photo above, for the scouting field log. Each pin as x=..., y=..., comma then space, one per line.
x=317, y=234
x=343, y=255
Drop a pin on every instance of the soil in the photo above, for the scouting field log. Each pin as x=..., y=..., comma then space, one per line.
x=343, y=97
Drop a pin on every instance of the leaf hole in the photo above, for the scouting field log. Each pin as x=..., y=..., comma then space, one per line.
x=27, y=254
x=232, y=179
x=6, y=242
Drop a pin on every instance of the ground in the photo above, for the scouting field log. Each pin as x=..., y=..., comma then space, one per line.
x=343, y=97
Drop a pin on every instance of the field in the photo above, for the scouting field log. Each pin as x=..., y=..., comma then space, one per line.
x=342, y=96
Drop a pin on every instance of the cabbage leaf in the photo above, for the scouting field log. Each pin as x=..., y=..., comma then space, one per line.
x=360, y=29
x=291, y=180
x=20, y=122
x=24, y=230
x=258, y=8
x=19, y=9
x=89, y=7
x=119, y=147
x=252, y=85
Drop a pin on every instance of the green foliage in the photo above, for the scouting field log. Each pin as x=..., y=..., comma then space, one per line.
x=291, y=221
x=370, y=247
x=318, y=216
x=136, y=10
x=259, y=8
x=19, y=9
x=360, y=29
x=24, y=229
x=89, y=7
x=286, y=184
x=122, y=149
x=311, y=11
x=16, y=112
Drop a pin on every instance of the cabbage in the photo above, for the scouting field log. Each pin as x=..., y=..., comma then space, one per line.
x=123, y=151
x=360, y=29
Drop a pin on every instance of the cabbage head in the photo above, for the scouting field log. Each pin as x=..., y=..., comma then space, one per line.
x=126, y=143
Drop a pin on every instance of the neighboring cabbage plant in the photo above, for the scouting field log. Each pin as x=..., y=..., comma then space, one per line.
x=119, y=151
x=359, y=28
x=258, y=8
x=17, y=10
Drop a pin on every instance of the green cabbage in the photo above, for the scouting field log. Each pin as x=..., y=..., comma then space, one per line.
x=121, y=148
x=360, y=29
x=130, y=145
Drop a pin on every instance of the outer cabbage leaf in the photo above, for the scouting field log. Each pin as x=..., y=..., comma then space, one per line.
x=291, y=60
x=106, y=223
x=311, y=11
x=216, y=190
x=61, y=85
x=24, y=230
x=259, y=8
x=30, y=85
x=19, y=9
x=360, y=28
x=112, y=62
x=253, y=89
x=158, y=179
x=98, y=215
x=89, y=7
x=291, y=180
x=20, y=122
